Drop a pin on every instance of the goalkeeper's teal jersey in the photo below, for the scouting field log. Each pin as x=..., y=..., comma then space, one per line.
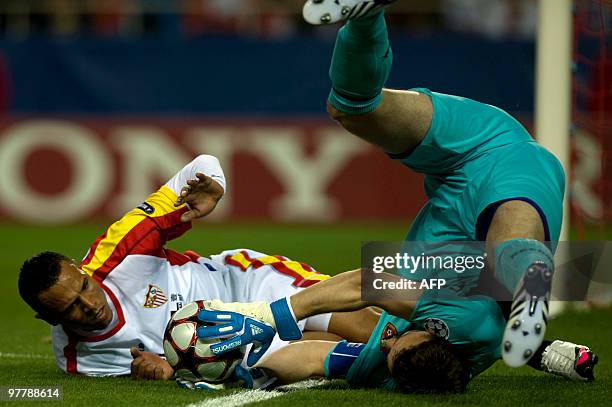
x=475, y=325
x=475, y=157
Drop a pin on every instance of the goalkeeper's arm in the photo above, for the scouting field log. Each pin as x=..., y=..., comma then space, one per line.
x=338, y=294
x=297, y=361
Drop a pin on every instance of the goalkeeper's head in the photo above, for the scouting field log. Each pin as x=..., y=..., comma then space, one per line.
x=423, y=363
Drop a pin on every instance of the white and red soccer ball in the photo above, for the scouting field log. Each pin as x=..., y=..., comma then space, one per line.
x=190, y=357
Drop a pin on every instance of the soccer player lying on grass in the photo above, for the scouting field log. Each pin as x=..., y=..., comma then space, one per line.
x=109, y=312
x=486, y=178
x=435, y=344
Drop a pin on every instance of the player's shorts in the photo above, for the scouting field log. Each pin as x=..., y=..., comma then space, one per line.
x=475, y=157
x=255, y=276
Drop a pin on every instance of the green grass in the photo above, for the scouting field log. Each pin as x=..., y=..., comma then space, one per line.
x=330, y=249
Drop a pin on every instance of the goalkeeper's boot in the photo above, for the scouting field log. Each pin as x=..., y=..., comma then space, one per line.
x=574, y=362
x=526, y=325
x=318, y=12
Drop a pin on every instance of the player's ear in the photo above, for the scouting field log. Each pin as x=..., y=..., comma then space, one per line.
x=46, y=319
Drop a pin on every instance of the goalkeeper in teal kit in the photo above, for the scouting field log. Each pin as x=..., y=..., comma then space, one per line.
x=486, y=180
x=435, y=344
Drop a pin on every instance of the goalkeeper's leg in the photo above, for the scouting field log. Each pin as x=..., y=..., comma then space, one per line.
x=396, y=121
x=524, y=265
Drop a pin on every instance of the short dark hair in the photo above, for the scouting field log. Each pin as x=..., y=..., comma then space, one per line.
x=430, y=367
x=38, y=274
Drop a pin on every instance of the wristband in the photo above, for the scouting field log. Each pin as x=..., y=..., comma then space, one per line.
x=340, y=359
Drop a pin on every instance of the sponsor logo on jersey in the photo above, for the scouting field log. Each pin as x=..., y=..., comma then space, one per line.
x=146, y=208
x=436, y=327
x=155, y=297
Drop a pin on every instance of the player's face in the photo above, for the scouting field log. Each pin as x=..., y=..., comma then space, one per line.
x=76, y=301
x=406, y=341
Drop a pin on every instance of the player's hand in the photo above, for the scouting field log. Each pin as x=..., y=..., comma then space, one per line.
x=201, y=194
x=241, y=324
x=149, y=366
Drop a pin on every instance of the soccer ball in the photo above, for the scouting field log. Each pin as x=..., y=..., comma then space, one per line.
x=190, y=357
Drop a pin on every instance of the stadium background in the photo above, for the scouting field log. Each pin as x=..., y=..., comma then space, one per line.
x=100, y=101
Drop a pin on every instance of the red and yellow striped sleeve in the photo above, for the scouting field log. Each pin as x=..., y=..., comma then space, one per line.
x=143, y=230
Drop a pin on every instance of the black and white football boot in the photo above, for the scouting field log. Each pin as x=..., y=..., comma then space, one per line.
x=318, y=12
x=574, y=362
x=526, y=325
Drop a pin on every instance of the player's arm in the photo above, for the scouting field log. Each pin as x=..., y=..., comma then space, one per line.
x=146, y=228
x=235, y=321
x=297, y=361
x=341, y=293
x=200, y=184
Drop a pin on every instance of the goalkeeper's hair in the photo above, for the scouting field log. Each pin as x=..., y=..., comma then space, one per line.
x=38, y=274
x=430, y=367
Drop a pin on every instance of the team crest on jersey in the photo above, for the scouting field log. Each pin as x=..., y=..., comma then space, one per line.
x=155, y=297
x=436, y=327
x=388, y=332
x=146, y=208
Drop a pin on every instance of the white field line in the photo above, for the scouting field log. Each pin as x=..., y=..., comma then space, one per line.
x=303, y=385
x=24, y=356
x=238, y=399
x=255, y=396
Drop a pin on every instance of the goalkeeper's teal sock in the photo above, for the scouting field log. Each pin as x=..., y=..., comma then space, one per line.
x=360, y=65
x=514, y=257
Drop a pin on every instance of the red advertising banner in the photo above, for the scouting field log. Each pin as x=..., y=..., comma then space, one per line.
x=66, y=169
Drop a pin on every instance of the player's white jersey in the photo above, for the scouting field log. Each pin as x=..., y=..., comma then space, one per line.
x=145, y=282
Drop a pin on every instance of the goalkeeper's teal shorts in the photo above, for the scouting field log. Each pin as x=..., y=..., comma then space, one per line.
x=475, y=157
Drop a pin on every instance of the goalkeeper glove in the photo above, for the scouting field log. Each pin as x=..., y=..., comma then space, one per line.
x=244, y=323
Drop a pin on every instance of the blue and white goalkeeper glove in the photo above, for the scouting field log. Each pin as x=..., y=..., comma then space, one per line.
x=244, y=323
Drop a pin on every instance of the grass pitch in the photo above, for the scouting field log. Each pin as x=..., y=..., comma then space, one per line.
x=26, y=359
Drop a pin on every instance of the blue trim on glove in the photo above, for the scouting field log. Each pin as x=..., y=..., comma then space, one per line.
x=286, y=325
